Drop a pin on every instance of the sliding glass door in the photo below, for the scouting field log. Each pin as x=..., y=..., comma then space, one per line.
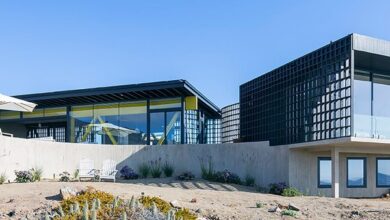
x=165, y=127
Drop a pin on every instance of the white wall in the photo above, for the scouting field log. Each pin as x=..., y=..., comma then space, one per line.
x=267, y=164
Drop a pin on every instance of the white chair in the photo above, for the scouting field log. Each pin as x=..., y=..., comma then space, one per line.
x=86, y=169
x=108, y=170
x=5, y=134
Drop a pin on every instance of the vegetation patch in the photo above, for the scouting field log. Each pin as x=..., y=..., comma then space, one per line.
x=291, y=192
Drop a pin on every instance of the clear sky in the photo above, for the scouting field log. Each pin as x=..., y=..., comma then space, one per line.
x=215, y=45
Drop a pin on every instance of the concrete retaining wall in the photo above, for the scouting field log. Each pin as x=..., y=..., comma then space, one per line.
x=267, y=164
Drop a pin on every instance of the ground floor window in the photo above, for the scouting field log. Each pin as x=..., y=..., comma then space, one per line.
x=383, y=172
x=356, y=172
x=324, y=172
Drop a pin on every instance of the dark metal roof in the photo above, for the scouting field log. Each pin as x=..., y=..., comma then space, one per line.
x=163, y=89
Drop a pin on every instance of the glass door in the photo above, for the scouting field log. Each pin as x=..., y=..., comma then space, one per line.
x=165, y=127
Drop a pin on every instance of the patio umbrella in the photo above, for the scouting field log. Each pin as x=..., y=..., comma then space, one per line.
x=14, y=104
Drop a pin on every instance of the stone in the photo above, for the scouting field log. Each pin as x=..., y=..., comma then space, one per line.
x=291, y=206
x=67, y=192
x=274, y=209
x=193, y=200
x=175, y=204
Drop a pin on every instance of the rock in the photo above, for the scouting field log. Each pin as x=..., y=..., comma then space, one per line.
x=11, y=201
x=67, y=192
x=274, y=209
x=193, y=200
x=175, y=204
x=291, y=206
x=11, y=213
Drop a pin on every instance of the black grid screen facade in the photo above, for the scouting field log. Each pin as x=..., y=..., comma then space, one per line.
x=230, y=123
x=305, y=100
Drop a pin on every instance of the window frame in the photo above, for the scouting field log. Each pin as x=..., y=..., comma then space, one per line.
x=376, y=172
x=319, y=159
x=364, y=172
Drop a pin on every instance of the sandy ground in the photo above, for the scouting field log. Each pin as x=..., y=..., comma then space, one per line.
x=225, y=201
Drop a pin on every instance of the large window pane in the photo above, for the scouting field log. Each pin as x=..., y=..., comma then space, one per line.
x=81, y=117
x=324, y=172
x=157, y=128
x=105, y=124
x=383, y=172
x=173, y=128
x=362, y=106
x=356, y=169
x=132, y=123
x=381, y=113
x=5, y=115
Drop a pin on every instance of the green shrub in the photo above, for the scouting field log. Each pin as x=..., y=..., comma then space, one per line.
x=277, y=188
x=155, y=169
x=291, y=192
x=144, y=170
x=3, y=178
x=259, y=205
x=76, y=174
x=64, y=177
x=168, y=169
x=36, y=174
x=207, y=170
x=249, y=180
x=24, y=176
x=289, y=212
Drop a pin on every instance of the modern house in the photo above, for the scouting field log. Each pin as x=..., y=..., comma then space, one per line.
x=230, y=123
x=169, y=112
x=331, y=109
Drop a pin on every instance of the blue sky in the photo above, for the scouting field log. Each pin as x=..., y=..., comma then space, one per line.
x=215, y=45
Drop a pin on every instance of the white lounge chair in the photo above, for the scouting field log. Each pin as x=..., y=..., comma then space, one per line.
x=108, y=170
x=86, y=169
x=5, y=134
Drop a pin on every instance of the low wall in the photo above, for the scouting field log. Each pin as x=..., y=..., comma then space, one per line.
x=267, y=164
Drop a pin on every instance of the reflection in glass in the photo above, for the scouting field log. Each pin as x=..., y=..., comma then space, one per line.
x=81, y=117
x=165, y=103
x=132, y=122
x=157, y=128
x=105, y=124
x=383, y=172
x=356, y=172
x=325, y=172
x=173, y=128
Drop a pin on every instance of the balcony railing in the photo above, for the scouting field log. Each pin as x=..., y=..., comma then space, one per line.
x=368, y=126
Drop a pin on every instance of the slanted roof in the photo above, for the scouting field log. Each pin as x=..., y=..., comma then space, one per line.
x=153, y=90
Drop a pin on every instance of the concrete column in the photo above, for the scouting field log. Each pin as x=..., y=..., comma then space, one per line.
x=335, y=154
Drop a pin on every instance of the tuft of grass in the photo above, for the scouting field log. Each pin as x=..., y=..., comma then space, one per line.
x=3, y=178
x=291, y=192
x=289, y=212
x=76, y=174
x=155, y=169
x=36, y=174
x=249, y=180
x=168, y=169
x=144, y=170
x=207, y=170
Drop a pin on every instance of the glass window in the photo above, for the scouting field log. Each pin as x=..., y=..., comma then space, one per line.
x=356, y=172
x=324, y=172
x=105, y=124
x=173, y=127
x=165, y=103
x=157, y=128
x=383, y=172
x=132, y=122
x=81, y=117
x=49, y=112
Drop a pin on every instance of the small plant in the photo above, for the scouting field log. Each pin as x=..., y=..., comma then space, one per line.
x=3, y=178
x=76, y=174
x=207, y=169
x=289, y=212
x=259, y=205
x=155, y=169
x=64, y=177
x=168, y=169
x=186, y=176
x=128, y=173
x=144, y=170
x=277, y=188
x=227, y=177
x=24, y=176
x=291, y=192
x=36, y=174
x=249, y=180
